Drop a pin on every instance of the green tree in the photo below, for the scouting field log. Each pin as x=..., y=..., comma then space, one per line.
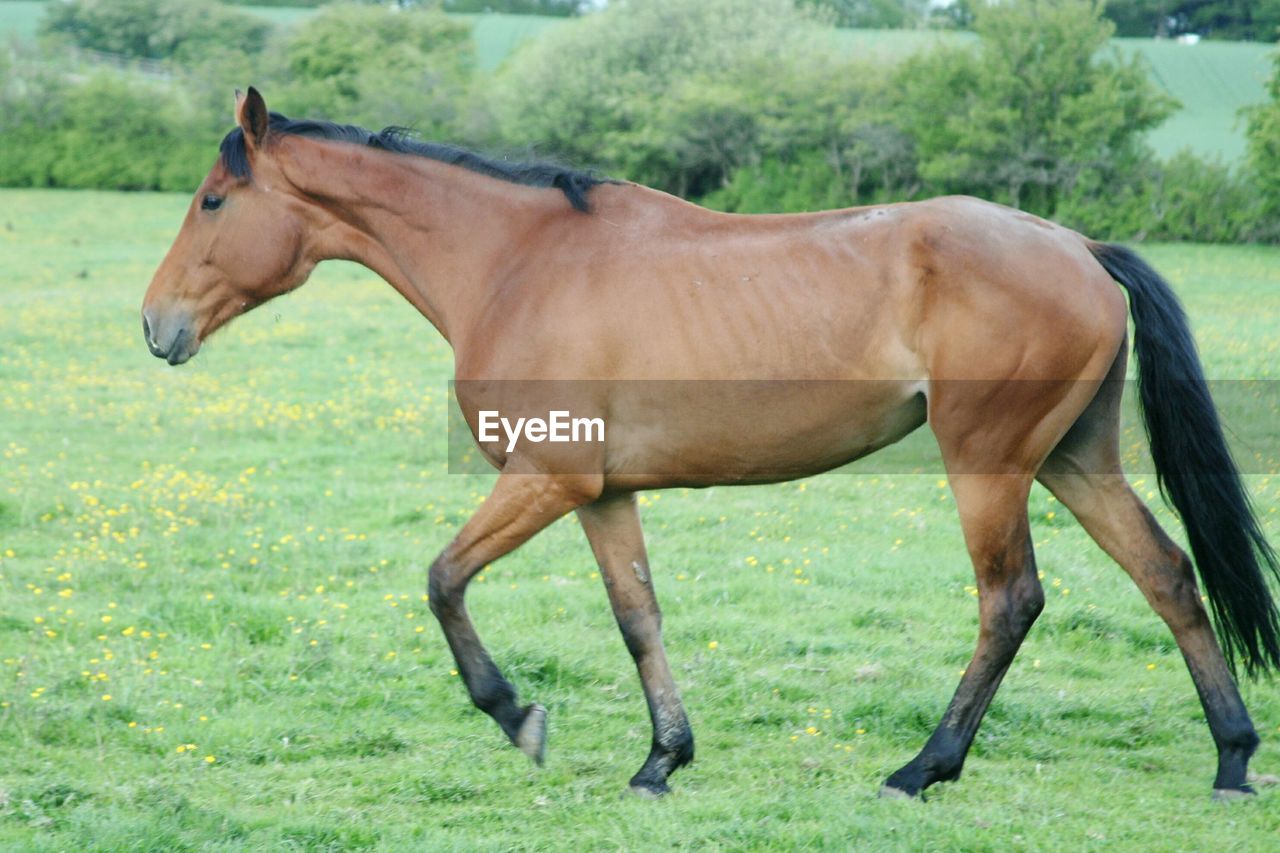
x=555, y=8
x=1184, y=198
x=666, y=92
x=375, y=65
x=295, y=3
x=1141, y=18
x=825, y=140
x=874, y=14
x=957, y=14
x=1263, y=134
x=30, y=107
x=1232, y=19
x=1022, y=117
x=109, y=131
x=155, y=29
x=1226, y=19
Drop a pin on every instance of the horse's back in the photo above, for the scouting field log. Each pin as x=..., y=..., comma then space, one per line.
x=952, y=285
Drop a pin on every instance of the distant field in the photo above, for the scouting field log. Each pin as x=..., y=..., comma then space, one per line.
x=19, y=19
x=1212, y=80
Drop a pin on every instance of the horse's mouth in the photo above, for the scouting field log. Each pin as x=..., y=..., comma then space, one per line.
x=179, y=350
x=185, y=345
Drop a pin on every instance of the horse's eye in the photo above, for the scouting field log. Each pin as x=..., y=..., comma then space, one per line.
x=211, y=202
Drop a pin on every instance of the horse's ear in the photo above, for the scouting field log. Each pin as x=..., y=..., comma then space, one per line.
x=252, y=116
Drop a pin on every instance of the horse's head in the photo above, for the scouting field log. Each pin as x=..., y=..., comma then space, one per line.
x=243, y=242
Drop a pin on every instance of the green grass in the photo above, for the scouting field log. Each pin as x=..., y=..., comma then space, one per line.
x=1212, y=80
x=235, y=552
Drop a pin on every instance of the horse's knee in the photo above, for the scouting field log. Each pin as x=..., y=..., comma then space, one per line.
x=1175, y=587
x=1028, y=601
x=444, y=592
x=1013, y=611
x=1014, y=596
x=1173, y=592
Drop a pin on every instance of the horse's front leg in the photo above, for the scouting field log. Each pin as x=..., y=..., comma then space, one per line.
x=612, y=525
x=522, y=503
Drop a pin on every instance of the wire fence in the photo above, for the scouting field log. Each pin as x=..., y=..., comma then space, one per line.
x=80, y=60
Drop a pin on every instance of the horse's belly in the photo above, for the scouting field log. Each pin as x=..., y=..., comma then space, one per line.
x=753, y=431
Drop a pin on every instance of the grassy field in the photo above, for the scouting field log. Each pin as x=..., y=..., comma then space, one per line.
x=214, y=633
x=1212, y=80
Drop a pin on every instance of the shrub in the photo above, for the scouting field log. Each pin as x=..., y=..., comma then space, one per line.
x=665, y=92
x=777, y=186
x=1030, y=112
x=155, y=29
x=375, y=65
x=1185, y=198
x=1264, y=150
x=107, y=132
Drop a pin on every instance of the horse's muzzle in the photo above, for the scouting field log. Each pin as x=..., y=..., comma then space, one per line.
x=171, y=338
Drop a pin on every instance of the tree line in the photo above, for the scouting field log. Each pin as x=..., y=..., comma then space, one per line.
x=1247, y=20
x=743, y=105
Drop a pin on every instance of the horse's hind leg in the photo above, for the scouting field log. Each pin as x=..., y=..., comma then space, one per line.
x=993, y=512
x=521, y=504
x=613, y=526
x=993, y=437
x=1084, y=473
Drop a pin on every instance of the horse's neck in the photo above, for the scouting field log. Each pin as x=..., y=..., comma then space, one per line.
x=435, y=232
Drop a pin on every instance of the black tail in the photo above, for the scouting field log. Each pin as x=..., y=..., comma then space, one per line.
x=1194, y=468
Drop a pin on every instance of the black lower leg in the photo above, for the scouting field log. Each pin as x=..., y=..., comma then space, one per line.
x=613, y=528
x=941, y=760
x=1233, y=731
x=523, y=502
x=943, y=755
x=1009, y=609
x=672, y=748
x=488, y=689
x=493, y=694
x=1233, y=765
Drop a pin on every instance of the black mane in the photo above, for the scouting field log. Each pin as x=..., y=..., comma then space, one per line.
x=574, y=184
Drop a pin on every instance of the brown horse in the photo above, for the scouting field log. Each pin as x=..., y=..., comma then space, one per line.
x=1004, y=332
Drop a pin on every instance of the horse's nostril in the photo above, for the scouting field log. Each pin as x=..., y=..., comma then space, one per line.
x=148, y=335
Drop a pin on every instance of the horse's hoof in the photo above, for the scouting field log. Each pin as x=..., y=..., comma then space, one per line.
x=888, y=792
x=1227, y=795
x=532, y=737
x=648, y=790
